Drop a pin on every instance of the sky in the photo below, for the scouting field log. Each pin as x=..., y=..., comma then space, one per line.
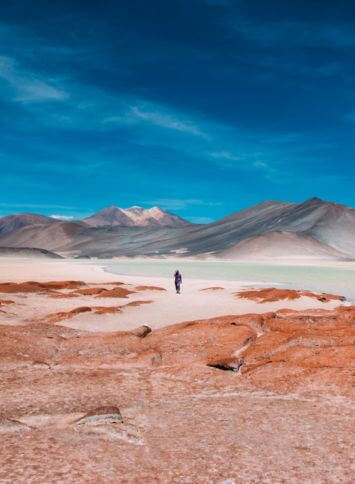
x=202, y=107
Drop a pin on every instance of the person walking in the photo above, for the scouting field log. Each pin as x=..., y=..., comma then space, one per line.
x=178, y=281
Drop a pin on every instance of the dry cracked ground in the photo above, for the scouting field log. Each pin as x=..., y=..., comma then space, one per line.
x=258, y=398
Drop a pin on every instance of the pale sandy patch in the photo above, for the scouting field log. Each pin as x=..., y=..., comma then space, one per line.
x=17, y=270
x=166, y=308
x=192, y=304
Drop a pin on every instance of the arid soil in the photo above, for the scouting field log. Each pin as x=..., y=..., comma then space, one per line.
x=42, y=301
x=251, y=398
x=214, y=288
x=33, y=301
x=271, y=294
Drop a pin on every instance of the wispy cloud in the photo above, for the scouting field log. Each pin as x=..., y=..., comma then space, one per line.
x=29, y=86
x=35, y=206
x=225, y=155
x=180, y=203
x=62, y=217
x=228, y=159
x=166, y=120
x=253, y=162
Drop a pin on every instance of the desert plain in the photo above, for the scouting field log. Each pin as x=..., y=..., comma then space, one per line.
x=116, y=378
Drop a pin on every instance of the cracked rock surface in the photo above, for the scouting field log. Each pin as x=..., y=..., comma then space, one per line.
x=112, y=407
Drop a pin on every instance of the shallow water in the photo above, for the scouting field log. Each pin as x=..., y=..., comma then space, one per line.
x=320, y=279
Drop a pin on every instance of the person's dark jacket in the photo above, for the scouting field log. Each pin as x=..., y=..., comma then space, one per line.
x=178, y=278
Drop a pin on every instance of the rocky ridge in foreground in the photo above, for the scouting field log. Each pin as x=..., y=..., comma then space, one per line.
x=252, y=398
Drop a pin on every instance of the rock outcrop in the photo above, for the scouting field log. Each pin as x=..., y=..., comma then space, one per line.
x=149, y=288
x=142, y=331
x=32, y=286
x=249, y=398
x=100, y=415
x=272, y=294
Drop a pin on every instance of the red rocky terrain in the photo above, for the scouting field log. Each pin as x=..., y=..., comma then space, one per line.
x=251, y=398
x=271, y=294
x=214, y=288
x=32, y=286
x=149, y=288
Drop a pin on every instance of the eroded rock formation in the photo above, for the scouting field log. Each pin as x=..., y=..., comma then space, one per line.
x=272, y=294
x=87, y=407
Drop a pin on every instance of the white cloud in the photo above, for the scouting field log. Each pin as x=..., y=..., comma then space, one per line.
x=35, y=206
x=225, y=155
x=62, y=217
x=166, y=120
x=245, y=162
x=28, y=86
x=260, y=164
x=180, y=203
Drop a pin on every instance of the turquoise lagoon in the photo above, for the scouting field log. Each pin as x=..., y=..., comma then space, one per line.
x=335, y=280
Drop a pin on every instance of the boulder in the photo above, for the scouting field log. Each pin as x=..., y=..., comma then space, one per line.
x=142, y=331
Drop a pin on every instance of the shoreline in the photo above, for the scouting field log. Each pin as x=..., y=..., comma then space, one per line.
x=155, y=308
x=332, y=264
x=336, y=280
x=321, y=263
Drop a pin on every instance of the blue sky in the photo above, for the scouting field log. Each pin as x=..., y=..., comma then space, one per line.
x=202, y=107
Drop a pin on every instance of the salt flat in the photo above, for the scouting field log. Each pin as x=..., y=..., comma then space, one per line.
x=220, y=397
x=164, y=308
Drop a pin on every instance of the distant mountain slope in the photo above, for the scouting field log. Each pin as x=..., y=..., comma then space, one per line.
x=109, y=216
x=315, y=228
x=28, y=252
x=14, y=222
x=47, y=236
x=280, y=246
x=77, y=238
x=123, y=241
x=134, y=217
x=329, y=223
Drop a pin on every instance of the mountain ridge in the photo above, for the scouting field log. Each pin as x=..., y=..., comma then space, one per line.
x=313, y=228
x=16, y=221
x=134, y=216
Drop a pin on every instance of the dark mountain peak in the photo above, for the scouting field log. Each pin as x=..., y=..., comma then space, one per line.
x=258, y=209
x=270, y=202
x=110, y=215
x=19, y=220
x=318, y=202
x=28, y=216
x=109, y=209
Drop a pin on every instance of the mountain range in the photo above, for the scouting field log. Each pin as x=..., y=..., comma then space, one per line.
x=134, y=217
x=273, y=230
